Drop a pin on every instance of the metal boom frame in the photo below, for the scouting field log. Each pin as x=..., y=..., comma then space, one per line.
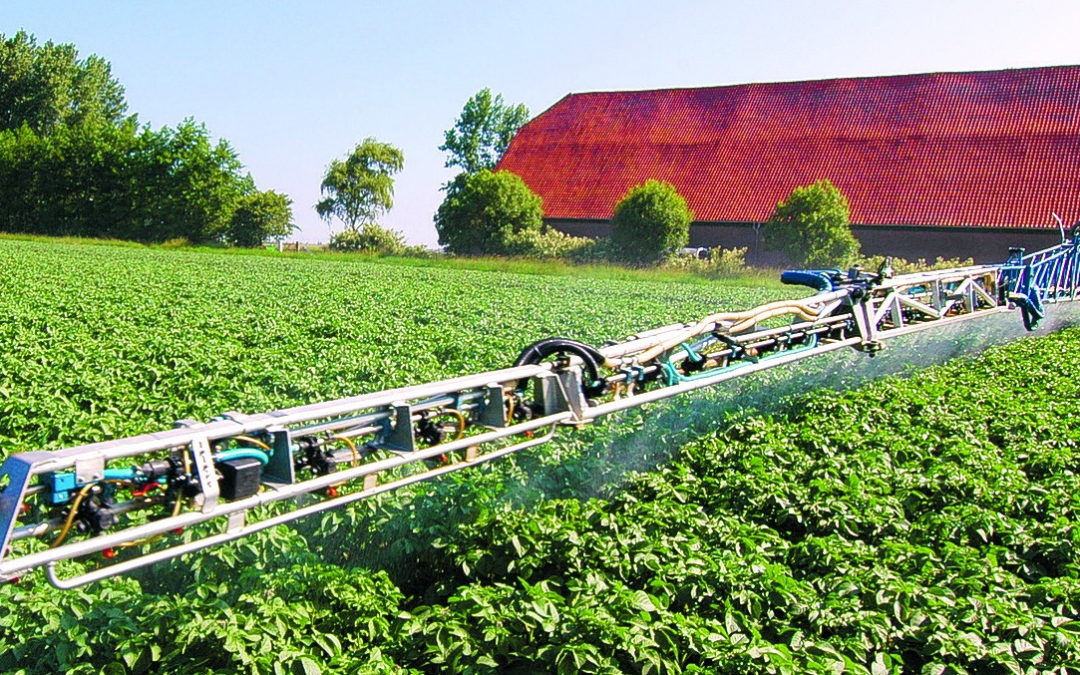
x=252, y=472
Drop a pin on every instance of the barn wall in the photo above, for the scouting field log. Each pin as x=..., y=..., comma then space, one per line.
x=984, y=245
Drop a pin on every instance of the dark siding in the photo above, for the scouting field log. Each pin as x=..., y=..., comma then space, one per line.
x=984, y=245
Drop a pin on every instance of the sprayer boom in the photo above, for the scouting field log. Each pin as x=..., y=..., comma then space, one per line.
x=148, y=498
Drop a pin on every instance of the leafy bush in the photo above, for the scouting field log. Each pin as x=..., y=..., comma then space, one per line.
x=548, y=244
x=651, y=221
x=599, y=250
x=259, y=216
x=486, y=212
x=721, y=263
x=902, y=266
x=812, y=227
x=369, y=238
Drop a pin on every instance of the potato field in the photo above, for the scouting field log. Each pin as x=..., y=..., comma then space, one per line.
x=925, y=524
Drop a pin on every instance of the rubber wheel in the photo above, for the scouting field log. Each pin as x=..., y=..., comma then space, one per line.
x=542, y=350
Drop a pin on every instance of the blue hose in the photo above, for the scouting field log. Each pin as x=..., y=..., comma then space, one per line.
x=120, y=474
x=673, y=376
x=819, y=280
x=245, y=453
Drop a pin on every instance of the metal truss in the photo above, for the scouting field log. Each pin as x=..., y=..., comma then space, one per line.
x=145, y=499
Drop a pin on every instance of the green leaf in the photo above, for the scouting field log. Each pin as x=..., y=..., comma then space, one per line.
x=305, y=666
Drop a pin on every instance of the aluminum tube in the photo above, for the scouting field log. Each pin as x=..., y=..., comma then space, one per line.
x=953, y=274
x=347, y=422
x=915, y=327
x=137, y=445
x=11, y=566
x=44, y=527
x=371, y=418
x=667, y=392
x=391, y=396
x=206, y=542
x=359, y=431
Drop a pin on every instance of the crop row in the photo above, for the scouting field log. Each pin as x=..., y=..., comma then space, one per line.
x=914, y=525
x=923, y=524
x=103, y=341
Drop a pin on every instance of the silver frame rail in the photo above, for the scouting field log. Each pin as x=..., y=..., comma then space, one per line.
x=373, y=443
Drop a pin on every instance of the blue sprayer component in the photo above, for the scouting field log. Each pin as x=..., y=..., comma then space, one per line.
x=819, y=280
x=62, y=483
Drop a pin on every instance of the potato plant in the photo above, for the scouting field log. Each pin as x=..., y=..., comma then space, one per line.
x=926, y=524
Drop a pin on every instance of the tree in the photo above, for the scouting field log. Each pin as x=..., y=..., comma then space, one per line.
x=73, y=163
x=188, y=185
x=47, y=86
x=483, y=132
x=652, y=219
x=361, y=188
x=812, y=227
x=484, y=211
x=120, y=181
x=259, y=216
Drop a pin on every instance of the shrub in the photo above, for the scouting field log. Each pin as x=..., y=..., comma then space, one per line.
x=651, y=220
x=812, y=227
x=721, y=263
x=547, y=244
x=370, y=238
x=902, y=266
x=596, y=251
x=259, y=216
x=486, y=213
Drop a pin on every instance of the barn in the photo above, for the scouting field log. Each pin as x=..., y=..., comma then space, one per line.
x=938, y=164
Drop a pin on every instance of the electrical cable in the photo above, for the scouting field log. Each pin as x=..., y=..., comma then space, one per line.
x=352, y=448
x=461, y=422
x=70, y=520
x=253, y=441
x=176, y=511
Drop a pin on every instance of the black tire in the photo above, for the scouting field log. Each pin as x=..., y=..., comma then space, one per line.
x=548, y=347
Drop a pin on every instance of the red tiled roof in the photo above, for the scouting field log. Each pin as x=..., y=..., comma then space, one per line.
x=998, y=148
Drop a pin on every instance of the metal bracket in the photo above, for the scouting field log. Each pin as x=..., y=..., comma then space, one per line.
x=549, y=393
x=570, y=390
x=89, y=469
x=236, y=521
x=280, y=468
x=862, y=311
x=403, y=436
x=14, y=479
x=204, y=466
x=493, y=413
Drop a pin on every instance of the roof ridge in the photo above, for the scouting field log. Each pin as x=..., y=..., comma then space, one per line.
x=824, y=79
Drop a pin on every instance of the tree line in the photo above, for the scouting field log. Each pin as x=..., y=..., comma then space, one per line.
x=75, y=162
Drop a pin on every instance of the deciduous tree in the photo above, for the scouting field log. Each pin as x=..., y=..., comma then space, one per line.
x=48, y=85
x=72, y=163
x=259, y=216
x=482, y=133
x=652, y=219
x=485, y=211
x=360, y=188
x=812, y=227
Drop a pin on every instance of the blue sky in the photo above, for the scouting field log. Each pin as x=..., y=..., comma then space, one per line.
x=293, y=85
